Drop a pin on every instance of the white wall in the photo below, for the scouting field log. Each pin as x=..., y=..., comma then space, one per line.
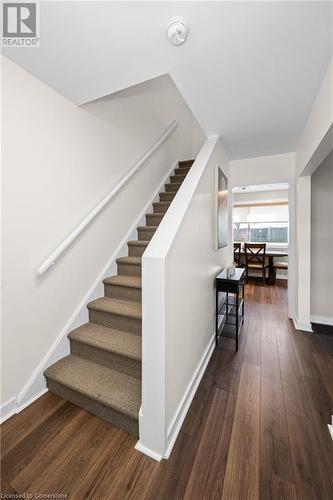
x=315, y=144
x=179, y=268
x=262, y=169
x=322, y=243
x=261, y=196
x=317, y=137
x=59, y=161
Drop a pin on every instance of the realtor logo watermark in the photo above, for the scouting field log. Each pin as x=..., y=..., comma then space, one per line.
x=20, y=24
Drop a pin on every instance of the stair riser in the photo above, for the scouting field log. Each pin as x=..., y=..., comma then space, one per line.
x=123, y=292
x=167, y=196
x=123, y=323
x=160, y=209
x=145, y=234
x=136, y=251
x=110, y=415
x=172, y=187
x=177, y=178
x=182, y=170
x=122, y=364
x=129, y=269
x=153, y=221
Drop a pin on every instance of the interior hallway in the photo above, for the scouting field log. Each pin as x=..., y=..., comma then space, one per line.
x=257, y=427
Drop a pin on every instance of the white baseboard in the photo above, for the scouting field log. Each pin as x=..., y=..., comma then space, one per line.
x=11, y=407
x=322, y=320
x=60, y=347
x=7, y=410
x=305, y=327
x=148, y=452
x=186, y=401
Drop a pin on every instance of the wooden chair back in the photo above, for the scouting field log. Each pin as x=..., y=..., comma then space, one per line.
x=237, y=253
x=255, y=253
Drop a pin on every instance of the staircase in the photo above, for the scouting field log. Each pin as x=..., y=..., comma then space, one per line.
x=103, y=372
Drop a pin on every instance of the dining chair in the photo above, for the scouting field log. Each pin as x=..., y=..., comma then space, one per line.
x=237, y=254
x=255, y=259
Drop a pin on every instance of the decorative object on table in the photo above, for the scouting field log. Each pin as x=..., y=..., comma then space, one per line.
x=229, y=304
x=222, y=209
x=255, y=259
x=230, y=271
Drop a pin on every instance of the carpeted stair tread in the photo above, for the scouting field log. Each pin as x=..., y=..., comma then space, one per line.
x=177, y=178
x=135, y=261
x=167, y=196
x=138, y=243
x=164, y=204
x=174, y=184
x=108, y=387
x=156, y=215
x=119, y=307
x=108, y=339
x=144, y=228
x=154, y=219
x=123, y=280
x=136, y=248
x=172, y=187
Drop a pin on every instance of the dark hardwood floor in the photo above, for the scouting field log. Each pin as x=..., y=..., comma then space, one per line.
x=257, y=428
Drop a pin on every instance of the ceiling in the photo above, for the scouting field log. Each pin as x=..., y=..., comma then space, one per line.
x=249, y=70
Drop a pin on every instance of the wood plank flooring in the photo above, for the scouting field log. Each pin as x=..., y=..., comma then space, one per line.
x=256, y=429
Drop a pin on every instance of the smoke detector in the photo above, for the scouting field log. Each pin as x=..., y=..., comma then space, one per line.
x=177, y=31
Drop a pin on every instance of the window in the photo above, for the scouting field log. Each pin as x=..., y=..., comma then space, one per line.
x=261, y=223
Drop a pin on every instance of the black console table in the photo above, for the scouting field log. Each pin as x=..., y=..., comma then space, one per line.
x=230, y=309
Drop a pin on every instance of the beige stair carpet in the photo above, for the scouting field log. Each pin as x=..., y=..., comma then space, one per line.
x=102, y=374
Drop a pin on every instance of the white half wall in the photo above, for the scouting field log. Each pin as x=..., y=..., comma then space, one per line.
x=322, y=243
x=179, y=268
x=58, y=161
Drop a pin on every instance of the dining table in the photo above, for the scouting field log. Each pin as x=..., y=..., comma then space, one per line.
x=271, y=254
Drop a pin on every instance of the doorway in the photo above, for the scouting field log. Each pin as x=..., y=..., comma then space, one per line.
x=263, y=213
